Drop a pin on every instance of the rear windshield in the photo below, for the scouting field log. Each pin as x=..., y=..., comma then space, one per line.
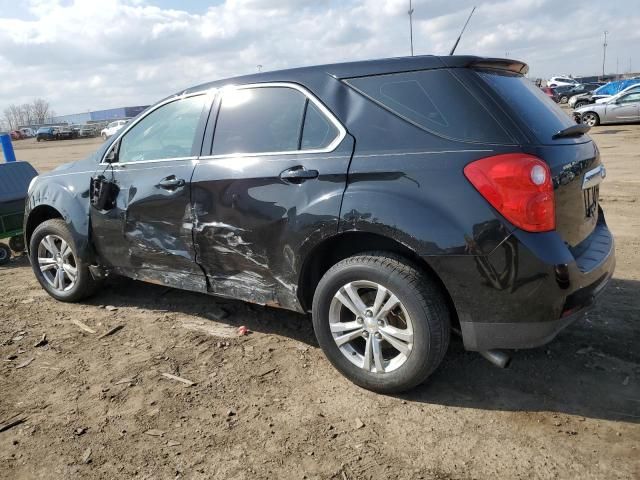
x=435, y=101
x=540, y=114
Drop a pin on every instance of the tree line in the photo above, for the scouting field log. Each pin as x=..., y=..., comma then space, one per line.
x=34, y=113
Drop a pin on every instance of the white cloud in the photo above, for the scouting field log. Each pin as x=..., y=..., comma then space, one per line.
x=84, y=54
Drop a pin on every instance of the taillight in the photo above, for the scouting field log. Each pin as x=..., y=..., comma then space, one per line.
x=519, y=186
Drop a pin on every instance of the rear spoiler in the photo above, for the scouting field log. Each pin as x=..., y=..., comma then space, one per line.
x=504, y=64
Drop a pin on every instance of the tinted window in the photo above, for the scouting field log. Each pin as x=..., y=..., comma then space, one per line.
x=435, y=101
x=318, y=132
x=259, y=120
x=167, y=132
x=630, y=98
x=543, y=117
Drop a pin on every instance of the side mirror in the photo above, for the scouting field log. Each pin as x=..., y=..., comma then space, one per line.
x=112, y=156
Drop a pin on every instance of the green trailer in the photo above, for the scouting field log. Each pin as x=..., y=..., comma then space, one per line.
x=14, y=182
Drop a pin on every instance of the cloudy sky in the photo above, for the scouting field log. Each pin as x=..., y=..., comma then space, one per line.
x=86, y=54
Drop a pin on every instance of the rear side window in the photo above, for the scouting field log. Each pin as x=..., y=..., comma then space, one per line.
x=259, y=120
x=435, y=101
x=278, y=119
x=542, y=116
x=318, y=131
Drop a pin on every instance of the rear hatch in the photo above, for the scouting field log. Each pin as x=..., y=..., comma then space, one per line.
x=570, y=156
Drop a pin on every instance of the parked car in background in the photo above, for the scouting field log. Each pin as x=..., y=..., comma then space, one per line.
x=605, y=91
x=560, y=81
x=113, y=128
x=27, y=132
x=564, y=93
x=549, y=92
x=624, y=108
x=16, y=135
x=292, y=198
x=631, y=89
x=46, y=133
x=87, y=131
x=65, y=133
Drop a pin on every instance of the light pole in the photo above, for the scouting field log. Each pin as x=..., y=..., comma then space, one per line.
x=411, y=26
x=604, y=51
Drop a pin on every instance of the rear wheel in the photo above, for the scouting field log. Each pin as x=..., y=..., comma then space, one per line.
x=55, y=262
x=104, y=137
x=580, y=105
x=5, y=254
x=564, y=99
x=591, y=118
x=381, y=322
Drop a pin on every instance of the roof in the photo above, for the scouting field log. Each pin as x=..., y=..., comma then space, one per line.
x=371, y=67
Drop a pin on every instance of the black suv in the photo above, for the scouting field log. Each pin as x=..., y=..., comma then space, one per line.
x=396, y=200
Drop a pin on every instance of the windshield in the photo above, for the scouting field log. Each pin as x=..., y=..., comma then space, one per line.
x=541, y=115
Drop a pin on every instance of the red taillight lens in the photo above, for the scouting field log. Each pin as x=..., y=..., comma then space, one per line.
x=519, y=186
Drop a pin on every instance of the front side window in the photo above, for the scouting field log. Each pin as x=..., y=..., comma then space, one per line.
x=167, y=132
x=630, y=98
x=273, y=119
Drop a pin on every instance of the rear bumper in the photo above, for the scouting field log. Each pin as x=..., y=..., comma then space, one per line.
x=530, y=288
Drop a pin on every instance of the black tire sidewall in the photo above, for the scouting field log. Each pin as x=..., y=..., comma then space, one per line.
x=84, y=279
x=416, y=367
x=5, y=254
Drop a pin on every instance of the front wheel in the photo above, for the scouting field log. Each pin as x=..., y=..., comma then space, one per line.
x=591, y=118
x=564, y=99
x=104, y=137
x=55, y=262
x=580, y=105
x=381, y=322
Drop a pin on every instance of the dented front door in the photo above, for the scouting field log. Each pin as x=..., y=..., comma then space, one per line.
x=146, y=232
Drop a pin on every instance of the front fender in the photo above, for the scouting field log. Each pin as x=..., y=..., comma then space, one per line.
x=68, y=195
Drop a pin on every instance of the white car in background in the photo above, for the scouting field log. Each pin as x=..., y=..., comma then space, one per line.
x=561, y=81
x=111, y=129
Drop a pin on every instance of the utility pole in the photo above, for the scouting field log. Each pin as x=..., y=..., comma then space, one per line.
x=617, y=66
x=411, y=26
x=604, y=51
x=259, y=68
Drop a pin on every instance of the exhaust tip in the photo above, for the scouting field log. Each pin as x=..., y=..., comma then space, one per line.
x=497, y=357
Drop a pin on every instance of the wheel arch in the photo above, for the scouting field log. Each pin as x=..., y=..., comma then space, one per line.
x=346, y=244
x=38, y=215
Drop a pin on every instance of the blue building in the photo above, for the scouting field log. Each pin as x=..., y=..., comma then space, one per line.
x=100, y=115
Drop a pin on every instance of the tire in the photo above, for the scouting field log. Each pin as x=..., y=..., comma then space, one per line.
x=17, y=243
x=5, y=254
x=591, y=118
x=564, y=99
x=421, y=307
x=580, y=105
x=38, y=139
x=56, y=231
x=104, y=137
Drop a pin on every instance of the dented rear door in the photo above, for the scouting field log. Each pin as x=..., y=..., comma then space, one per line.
x=271, y=188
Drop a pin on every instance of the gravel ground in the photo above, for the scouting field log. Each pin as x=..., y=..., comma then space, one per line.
x=268, y=405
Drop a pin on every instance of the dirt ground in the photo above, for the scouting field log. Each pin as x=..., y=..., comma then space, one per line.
x=268, y=405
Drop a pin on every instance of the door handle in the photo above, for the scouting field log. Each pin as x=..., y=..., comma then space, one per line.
x=171, y=183
x=298, y=174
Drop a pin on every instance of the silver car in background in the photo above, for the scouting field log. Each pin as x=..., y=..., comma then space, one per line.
x=619, y=109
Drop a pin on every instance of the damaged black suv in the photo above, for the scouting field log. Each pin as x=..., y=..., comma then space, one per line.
x=396, y=200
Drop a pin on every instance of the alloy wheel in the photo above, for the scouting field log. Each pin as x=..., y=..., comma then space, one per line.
x=371, y=326
x=590, y=119
x=57, y=263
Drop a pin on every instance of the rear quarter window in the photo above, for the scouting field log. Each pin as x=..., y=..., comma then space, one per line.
x=435, y=101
